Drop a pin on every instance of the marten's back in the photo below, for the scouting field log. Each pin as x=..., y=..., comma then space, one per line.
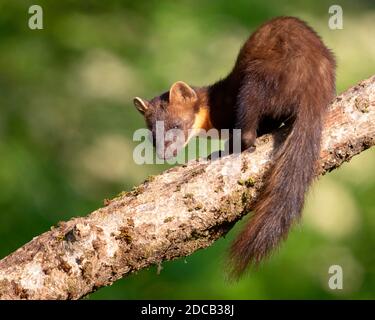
x=285, y=45
x=281, y=39
x=287, y=56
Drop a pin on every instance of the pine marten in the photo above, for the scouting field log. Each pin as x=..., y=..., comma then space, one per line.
x=283, y=74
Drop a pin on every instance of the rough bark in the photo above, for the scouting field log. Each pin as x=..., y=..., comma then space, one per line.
x=172, y=215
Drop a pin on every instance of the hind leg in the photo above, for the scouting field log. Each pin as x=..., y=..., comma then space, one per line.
x=248, y=138
x=248, y=113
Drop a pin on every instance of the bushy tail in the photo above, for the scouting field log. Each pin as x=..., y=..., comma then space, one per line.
x=281, y=201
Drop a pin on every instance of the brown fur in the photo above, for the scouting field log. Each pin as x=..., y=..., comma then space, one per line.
x=283, y=73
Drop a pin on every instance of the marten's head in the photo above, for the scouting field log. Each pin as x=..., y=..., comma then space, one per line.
x=180, y=111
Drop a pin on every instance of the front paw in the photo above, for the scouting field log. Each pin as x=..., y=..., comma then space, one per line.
x=214, y=155
x=250, y=149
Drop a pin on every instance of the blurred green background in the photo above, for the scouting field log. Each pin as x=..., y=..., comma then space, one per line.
x=66, y=125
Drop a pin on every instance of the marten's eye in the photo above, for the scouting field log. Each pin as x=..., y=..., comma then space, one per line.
x=176, y=126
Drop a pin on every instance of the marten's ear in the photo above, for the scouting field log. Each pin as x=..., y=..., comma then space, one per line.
x=181, y=92
x=140, y=104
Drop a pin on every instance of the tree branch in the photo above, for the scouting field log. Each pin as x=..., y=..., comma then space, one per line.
x=172, y=215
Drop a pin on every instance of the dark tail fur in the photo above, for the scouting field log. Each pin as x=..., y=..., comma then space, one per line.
x=281, y=201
